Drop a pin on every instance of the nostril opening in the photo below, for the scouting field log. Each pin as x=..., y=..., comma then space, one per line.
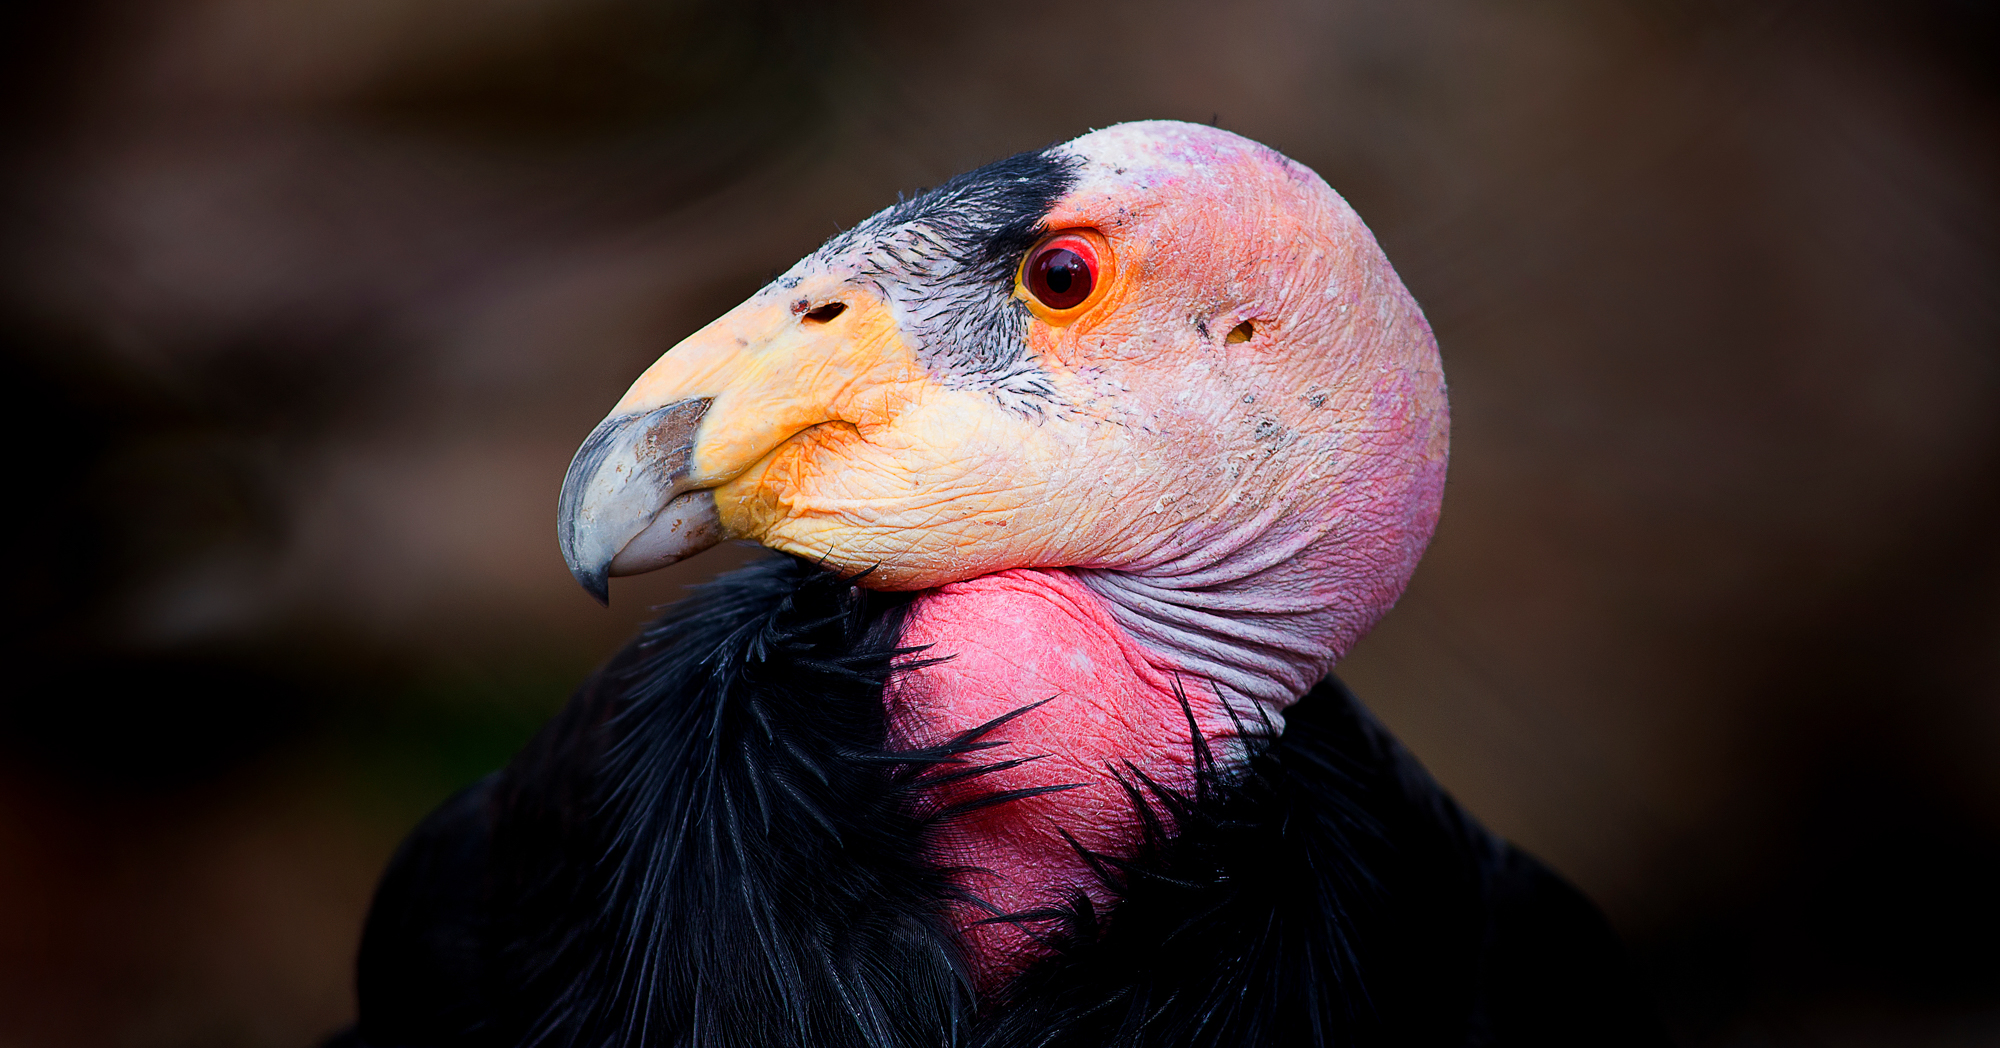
x=1241, y=332
x=822, y=314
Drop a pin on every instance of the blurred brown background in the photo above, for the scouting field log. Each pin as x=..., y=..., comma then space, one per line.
x=306, y=303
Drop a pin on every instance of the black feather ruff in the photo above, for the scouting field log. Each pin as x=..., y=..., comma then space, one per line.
x=712, y=846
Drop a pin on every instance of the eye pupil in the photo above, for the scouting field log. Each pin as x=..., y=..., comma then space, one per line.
x=1059, y=277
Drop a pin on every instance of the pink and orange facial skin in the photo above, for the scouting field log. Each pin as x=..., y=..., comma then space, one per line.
x=831, y=440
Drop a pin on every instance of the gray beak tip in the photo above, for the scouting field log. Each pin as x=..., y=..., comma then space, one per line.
x=595, y=578
x=596, y=583
x=619, y=512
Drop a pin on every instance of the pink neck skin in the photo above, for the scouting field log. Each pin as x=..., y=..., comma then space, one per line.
x=1016, y=638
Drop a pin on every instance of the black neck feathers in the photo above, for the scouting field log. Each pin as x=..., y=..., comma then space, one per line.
x=712, y=847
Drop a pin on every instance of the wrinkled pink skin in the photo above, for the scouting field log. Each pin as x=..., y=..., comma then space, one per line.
x=1279, y=490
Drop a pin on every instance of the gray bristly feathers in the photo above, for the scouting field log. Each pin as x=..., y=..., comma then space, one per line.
x=945, y=260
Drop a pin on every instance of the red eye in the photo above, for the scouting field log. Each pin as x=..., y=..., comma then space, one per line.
x=1061, y=272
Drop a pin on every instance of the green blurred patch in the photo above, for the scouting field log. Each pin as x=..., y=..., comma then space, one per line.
x=406, y=747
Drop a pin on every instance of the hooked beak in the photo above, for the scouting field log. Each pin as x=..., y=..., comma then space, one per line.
x=627, y=503
x=640, y=493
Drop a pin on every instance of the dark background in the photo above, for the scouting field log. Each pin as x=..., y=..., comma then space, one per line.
x=306, y=303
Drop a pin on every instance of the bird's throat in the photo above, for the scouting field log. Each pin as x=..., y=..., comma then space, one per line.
x=1011, y=640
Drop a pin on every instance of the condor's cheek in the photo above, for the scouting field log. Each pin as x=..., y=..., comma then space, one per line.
x=937, y=496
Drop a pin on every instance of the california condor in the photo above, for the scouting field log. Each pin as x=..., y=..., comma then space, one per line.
x=1083, y=470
